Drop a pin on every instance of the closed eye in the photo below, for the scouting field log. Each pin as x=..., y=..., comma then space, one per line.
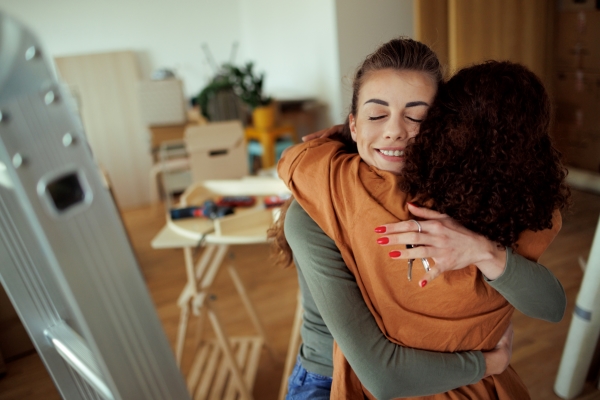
x=415, y=120
x=376, y=118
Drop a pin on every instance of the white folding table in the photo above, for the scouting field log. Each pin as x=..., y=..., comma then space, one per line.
x=227, y=366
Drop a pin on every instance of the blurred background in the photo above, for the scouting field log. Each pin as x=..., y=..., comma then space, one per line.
x=307, y=52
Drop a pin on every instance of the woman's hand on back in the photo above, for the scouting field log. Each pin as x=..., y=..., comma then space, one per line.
x=497, y=360
x=449, y=244
x=324, y=133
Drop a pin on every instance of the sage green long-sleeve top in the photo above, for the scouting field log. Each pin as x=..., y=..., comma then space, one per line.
x=334, y=307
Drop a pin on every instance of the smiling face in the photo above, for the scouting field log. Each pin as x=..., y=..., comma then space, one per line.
x=391, y=105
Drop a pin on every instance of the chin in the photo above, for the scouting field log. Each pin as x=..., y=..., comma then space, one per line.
x=396, y=169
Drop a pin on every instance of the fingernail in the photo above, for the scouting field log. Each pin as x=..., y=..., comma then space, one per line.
x=423, y=283
x=383, y=240
x=380, y=229
x=395, y=253
x=412, y=204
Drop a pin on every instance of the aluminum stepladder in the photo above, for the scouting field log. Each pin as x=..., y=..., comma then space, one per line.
x=65, y=259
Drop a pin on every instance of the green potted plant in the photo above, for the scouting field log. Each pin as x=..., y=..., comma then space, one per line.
x=219, y=85
x=249, y=87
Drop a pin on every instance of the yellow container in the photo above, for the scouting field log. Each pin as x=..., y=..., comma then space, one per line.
x=263, y=117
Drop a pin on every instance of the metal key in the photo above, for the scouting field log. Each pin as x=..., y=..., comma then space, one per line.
x=410, y=262
x=425, y=264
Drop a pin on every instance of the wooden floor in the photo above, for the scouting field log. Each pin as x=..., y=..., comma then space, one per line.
x=537, y=346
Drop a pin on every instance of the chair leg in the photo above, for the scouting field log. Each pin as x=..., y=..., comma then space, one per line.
x=250, y=308
x=181, y=333
x=227, y=351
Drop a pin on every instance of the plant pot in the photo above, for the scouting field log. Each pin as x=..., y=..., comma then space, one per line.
x=264, y=117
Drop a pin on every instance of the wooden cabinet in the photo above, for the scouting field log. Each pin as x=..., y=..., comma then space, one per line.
x=107, y=84
x=556, y=40
x=577, y=87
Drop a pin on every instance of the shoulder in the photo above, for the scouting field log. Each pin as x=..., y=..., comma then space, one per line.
x=532, y=244
x=298, y=220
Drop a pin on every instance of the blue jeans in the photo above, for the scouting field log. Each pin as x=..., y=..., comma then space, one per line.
x=304, y=385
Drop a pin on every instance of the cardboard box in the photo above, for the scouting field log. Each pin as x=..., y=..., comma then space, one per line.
x=577, y=44
x=577, y=99
x=577, y=87
x=580, y=146
x=581, y=117
x=217, y=151
x=572, y=5
x=162, y=102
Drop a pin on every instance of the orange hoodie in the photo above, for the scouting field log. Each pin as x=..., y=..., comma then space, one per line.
x=458, y=311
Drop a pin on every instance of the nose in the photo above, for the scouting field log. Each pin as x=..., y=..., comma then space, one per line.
x=396, y=129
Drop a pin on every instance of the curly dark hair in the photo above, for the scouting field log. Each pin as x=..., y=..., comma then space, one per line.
x=484, y=155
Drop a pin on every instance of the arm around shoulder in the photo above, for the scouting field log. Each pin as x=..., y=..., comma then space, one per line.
x=384, y=368
x=531, y=288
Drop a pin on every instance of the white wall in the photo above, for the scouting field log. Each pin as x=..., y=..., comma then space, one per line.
x=166, y=33
x=361, y=27
x=294, y=43
x=306, y=48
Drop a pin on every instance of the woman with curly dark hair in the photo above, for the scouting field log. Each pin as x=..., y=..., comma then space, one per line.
x=497, y=121
x=494, y=168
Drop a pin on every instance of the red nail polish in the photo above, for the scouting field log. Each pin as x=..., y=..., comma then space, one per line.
x=423, y=283
x=412, y=204
x=380, y=229
x=395, y=253
x=383, y=240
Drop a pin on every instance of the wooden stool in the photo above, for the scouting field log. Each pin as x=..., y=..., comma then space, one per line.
x=267, y=138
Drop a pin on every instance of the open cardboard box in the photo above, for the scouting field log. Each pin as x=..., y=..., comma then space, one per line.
x=217, y=150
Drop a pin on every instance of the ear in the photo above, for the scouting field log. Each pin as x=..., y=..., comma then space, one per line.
x=352, y=122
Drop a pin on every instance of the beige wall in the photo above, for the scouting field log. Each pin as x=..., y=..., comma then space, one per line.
x=464, y=32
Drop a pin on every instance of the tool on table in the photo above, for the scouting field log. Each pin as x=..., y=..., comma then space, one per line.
x=209, y=209
x=236, y=201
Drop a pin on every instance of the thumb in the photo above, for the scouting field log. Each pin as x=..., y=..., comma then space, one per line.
x=425, y=213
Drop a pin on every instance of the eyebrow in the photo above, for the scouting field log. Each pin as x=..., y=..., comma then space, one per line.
x=409, y=104
x=377, y=101
x=416, y=103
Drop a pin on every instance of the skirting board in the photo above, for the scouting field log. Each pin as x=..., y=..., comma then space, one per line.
x=585, y=180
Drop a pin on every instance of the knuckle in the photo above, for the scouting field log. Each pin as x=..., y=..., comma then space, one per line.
x=436, y=225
